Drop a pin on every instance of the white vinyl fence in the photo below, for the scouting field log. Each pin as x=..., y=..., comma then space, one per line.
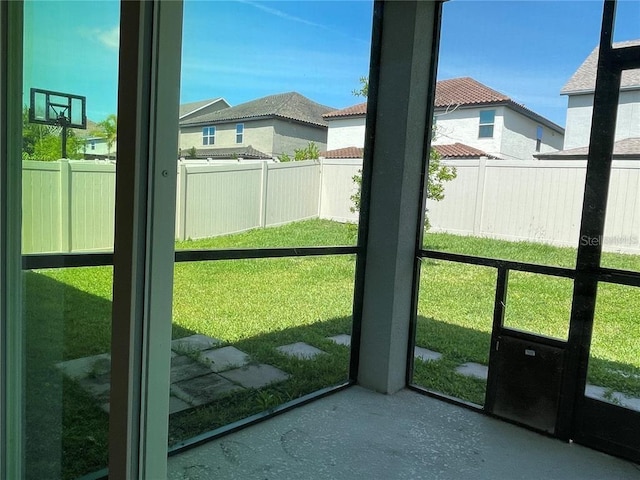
x=68, y=205
x=539, y=201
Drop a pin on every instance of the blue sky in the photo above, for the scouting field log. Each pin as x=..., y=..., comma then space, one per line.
x=245, y=49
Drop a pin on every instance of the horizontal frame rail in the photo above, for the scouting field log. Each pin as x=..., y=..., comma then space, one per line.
x=68, y=260
x=605, y=275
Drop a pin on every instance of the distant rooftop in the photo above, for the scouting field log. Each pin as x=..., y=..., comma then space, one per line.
x=454, y=150
x=459, y=92
x=291, y=106
x=627, y=148
x=241, y=152
x=584, y=79
x=193, y=107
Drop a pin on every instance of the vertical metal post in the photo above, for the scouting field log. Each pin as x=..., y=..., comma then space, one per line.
x=149, y=85
x=11, y=335
x=499, y=308
x=605, y=107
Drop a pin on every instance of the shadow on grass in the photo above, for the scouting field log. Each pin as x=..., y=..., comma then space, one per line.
x=459, y=345
x=67, y=431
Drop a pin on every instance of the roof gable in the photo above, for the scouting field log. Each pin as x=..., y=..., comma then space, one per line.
x=290, y=106
x=584, y=79
x=191, y=108
x=466, y=91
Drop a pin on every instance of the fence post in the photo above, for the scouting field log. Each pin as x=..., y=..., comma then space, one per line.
x=263, y=195
x=181, y=213
x=479, y=203
x=321, y=186
x=66, y=244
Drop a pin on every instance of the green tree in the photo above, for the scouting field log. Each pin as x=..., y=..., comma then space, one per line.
x=41, y=142
x=363, y=91
x=192, y=152
x=438, y=174
x=108, y=129
x=310, y=152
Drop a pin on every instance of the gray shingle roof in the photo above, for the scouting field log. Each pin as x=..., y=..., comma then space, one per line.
x=291, y=106
x=243, y=152
x=584, y=79
x=629, y=147
x=187, y=108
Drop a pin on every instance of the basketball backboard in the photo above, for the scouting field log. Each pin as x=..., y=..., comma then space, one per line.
x=56, y=108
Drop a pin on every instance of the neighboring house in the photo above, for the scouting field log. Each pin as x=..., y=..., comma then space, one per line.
x=266, y=127
x=471, y=120
x=95, y=145
x=579, y=90
x=475, y=115
x=201, y=107
x=626, y=149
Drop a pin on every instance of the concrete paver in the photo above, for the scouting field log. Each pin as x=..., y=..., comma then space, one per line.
x=204, y=389
x=256, y=376
x=472, y=369
x=426, y=355
x=300, y=350
x=194, y=343
x=341, y=339
x=226, y=358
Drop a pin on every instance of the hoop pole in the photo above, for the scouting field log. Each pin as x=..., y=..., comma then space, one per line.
x=64, y=141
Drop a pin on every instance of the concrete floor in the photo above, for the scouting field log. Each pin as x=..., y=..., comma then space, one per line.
x=358, y=434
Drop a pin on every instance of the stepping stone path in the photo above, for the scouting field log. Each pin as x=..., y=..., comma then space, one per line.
x=200, y=373
x=300, y=350
x=474, y=370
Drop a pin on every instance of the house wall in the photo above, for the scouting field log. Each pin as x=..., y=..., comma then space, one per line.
x=346, y=132
x=257, y=133
x=462, y=125
x=580, y=109
x=289, y=136
x=519, y=137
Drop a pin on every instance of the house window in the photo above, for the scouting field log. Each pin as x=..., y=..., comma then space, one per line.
x=208, y=135
x=538, y=138
x=93, y=144
x=487, y=118
x=239, y=132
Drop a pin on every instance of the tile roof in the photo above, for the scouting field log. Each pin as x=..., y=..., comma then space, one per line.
x=466, y=91
x=460, y=150
x=584, y=79
x=460, y=92
x=347, y=152
x=355, y=110
x=192, y=107
x=243, y=152
x=290, y=106
x=455, y=150
x=629, y=147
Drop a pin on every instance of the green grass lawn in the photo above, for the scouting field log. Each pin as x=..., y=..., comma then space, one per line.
x=259, y=304
x=456, y=311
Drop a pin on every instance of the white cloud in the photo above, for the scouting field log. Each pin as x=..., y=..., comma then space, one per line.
x=281, y=14
x=109, y=38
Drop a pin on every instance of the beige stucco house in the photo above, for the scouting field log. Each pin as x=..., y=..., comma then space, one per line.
x=266, y=127
x=580, y=92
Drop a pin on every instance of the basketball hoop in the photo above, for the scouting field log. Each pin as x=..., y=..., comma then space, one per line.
x=58, y=110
